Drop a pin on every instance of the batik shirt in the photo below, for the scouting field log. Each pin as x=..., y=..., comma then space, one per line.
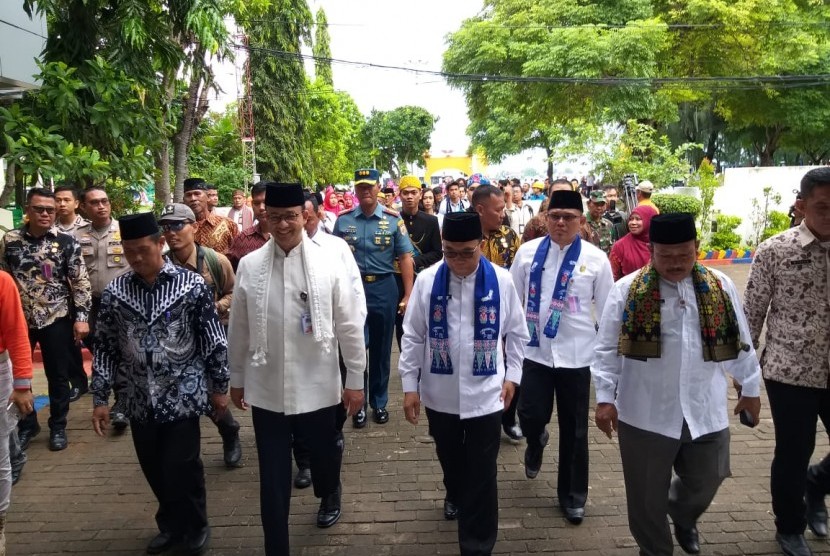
x=215, y=232
x=789, y=288
x=50, y=274
x=165, y=340
x=500, y=247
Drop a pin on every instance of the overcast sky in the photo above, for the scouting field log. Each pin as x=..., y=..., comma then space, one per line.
x=398, y=33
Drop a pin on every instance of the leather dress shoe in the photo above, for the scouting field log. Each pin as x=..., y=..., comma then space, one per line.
x=17, y=467
x=381, y=416
x=513, y=432
x=197, y=544
x=329, y=512
x=303, y=478
x=75, y=393
x=57, y=440
x=687, y=538
x=162, y=543
x=816, y=509
x=359, y=419
x=533, y=456
x=232, y=449
x=793, y=545
x=450, y=510
x=25, y=436
x=574, y=515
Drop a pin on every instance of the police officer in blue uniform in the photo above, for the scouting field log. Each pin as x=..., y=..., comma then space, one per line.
x=377, y=235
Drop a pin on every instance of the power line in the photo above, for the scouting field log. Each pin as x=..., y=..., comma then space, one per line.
x=10, y=24
x=745, y=82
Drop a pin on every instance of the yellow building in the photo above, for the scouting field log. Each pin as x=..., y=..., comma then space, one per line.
x=454, y=166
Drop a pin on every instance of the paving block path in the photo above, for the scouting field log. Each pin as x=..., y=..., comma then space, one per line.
x=92, y=499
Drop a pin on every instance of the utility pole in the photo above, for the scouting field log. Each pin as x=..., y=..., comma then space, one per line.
x=246, y=113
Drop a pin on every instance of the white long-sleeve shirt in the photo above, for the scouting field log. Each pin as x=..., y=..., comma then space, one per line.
x=300, y=376
x=656, y=395
x=460, y=393
x=573, y=346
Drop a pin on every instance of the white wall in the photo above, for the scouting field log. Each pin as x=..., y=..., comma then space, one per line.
x=741, y=185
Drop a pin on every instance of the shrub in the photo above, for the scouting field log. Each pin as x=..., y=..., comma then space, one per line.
x=777, y=222
x=672, y=202
x=724, y=236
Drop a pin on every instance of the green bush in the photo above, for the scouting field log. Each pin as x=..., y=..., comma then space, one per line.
x=672, y=202
x=777, y=222
x=725, y=237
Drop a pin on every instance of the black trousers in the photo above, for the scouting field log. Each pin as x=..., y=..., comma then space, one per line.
x=571, y=388
x=795, y=411
x=169, y=455
x=468, y=450
x=60, y=355
x=273, y=441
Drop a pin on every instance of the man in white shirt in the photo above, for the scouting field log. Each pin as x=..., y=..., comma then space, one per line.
x=453, y=201
x=292, y=307
x=522, y=213
x=452, y=354
x=668, y=335
x=563, y=282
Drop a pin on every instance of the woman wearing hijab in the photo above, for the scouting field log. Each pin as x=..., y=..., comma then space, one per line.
x=631, y=253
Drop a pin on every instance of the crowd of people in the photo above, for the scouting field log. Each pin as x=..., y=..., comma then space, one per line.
x=288, y=308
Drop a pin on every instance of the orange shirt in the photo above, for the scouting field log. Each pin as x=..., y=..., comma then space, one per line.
x=14, y=332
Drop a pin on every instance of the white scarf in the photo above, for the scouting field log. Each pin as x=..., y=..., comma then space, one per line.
x=320, y=306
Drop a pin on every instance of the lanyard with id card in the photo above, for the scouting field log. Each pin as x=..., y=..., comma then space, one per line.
x=305, y=318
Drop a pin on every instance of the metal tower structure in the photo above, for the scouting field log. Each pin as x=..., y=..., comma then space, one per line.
x=246, y=110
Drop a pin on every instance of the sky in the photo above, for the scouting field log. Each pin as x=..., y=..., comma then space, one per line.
x=399, y=33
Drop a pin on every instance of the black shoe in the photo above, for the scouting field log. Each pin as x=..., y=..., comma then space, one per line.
x=329, y=511
x=793, y=545
x=533, y=456
x=162, y=543
x=118, y=421
x=232, y=449
x=513, y=432
x=450, y=510
x=574, y=515
x=75, y=393
x=303, y=478
x=816, y=509
x=687, y=538
x=197, y=544
x=359, y=419
x=17, y=467
x=381, y=416
x=26, y=435
x=57, y=440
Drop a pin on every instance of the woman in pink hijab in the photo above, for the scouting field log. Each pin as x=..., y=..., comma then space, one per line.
x=631, y=253
x=348, y=201
x=330, y=202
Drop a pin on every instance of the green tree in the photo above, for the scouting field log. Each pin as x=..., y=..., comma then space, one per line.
x=216, y=153
x=334, y=128
x=399, y=137
x=321, y=49
x=280, y=90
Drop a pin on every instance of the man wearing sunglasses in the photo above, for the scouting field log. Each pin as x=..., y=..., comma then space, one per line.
x=176, y=222
x=563, y=282
x=54, y=288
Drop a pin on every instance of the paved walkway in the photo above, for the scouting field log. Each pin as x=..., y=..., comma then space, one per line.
x=92, y=499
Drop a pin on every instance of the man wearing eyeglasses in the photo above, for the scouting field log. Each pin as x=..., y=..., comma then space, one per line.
x=103, y=254
x=176, y=223
x=563, y=282
x=464, y=336
x=54, y=288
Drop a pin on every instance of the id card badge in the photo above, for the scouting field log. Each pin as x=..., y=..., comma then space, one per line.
x=305, y=323
x=573, y=304
x=46, y=269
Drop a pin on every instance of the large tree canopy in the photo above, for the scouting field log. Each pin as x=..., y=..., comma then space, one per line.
x=399, y=137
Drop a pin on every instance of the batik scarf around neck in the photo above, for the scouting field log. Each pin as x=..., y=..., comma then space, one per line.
x=640, y=333
x=487, y=321
x=560, y=290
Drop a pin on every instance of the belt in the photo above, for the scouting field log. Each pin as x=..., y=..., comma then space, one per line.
x=369, y=278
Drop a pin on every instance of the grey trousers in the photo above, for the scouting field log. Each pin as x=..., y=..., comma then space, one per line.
x=652, y=493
